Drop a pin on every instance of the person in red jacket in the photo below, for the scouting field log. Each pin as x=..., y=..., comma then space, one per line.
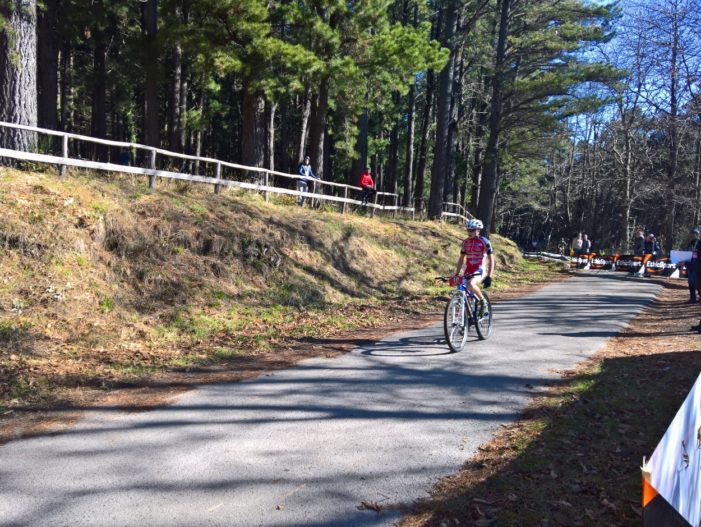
x=368, y=186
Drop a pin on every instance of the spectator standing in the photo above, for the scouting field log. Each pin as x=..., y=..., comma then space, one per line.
x=640, y=244
x=307, y=172
x=693, y=266
x=368, y=186
x=577, y=244
x=124, y=158
x=586, y=244
x=651, y=245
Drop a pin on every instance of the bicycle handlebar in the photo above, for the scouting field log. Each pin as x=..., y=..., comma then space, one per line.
x=447, y=278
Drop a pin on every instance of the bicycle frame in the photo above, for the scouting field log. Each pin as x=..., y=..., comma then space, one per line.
x=462, y=312
x=462, y=290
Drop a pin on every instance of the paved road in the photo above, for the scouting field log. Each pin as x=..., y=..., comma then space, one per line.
x=306, y=446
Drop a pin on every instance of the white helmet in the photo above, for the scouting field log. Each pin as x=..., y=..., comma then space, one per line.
x=474, y=224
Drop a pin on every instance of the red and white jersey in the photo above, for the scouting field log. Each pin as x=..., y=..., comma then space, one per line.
x=474, y=250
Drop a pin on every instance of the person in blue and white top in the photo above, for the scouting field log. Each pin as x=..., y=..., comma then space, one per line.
x=307, y=172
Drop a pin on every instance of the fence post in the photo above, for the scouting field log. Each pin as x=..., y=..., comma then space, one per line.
x=64, y=153
x=345, y=196
x=396, y=203
x=372, y=210
x=217, y=175
x=265, y=193
x=152, y=166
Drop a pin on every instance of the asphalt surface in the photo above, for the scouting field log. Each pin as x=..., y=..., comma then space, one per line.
x=309, y=445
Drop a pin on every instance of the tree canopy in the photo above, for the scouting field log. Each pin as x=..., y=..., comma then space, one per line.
x=541, y=117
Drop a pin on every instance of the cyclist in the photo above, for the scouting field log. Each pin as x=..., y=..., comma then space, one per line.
x=474, y=249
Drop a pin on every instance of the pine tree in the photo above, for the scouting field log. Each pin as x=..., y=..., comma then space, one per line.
x=18, y=72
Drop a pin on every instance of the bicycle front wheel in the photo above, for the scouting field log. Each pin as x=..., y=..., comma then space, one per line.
x=484, y=319
x=455, y=324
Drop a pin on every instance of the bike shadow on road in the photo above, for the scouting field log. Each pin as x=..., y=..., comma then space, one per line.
x=414, y=346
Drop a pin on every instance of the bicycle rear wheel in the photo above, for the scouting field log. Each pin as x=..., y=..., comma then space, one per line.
x=484, y=319
x=455, y=324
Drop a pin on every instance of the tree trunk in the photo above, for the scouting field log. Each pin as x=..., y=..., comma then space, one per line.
x=197, y=141
x=673, y=132
x=67, y=98
x=627, y=187
x=423, y=145
x=270, y=110
x=150, y=56
x=490, y=178
x=182, y=113
x=284, y=162
x=253, y=133
x=477, y=166
x=317, y=129
x=410, y=132
x=328, y=161
x=361, y=146
x=303, y=136
x=445, y=91
x=409, y=159
x=48, y=72
x=449, y=186
x=393, y=161
x=98, y=121
x=176, y=143
x=18, y=74
x=696, y=211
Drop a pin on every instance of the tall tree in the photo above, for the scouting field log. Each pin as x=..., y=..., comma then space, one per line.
x=151, y=57
x=490, y=181
x=48, y=52
x=18, y=72
x=445, y=94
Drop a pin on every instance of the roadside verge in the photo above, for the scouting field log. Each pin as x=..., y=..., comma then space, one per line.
x=574, y=456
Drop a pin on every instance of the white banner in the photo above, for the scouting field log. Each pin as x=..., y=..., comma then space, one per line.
x=674, y=468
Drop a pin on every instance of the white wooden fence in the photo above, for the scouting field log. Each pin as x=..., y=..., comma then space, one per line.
x=259, y=178
x=455, y=210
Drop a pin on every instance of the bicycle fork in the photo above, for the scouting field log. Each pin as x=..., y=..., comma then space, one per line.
x=464, y=314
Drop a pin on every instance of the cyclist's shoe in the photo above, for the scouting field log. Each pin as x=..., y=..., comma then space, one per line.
x=481, y=308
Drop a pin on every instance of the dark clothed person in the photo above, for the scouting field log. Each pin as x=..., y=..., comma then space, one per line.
x=305, y=170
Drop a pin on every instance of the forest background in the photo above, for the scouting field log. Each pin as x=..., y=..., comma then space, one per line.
x=544, y=118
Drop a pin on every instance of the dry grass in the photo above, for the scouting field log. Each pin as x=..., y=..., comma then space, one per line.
x=104, y=286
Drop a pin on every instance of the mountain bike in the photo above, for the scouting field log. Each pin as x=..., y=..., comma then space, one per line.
x=463, y=312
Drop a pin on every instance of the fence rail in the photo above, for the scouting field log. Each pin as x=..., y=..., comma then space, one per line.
x=384, y=201
x=455, y=210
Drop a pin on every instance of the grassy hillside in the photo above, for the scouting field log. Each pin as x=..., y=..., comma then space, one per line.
x=102, y=283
